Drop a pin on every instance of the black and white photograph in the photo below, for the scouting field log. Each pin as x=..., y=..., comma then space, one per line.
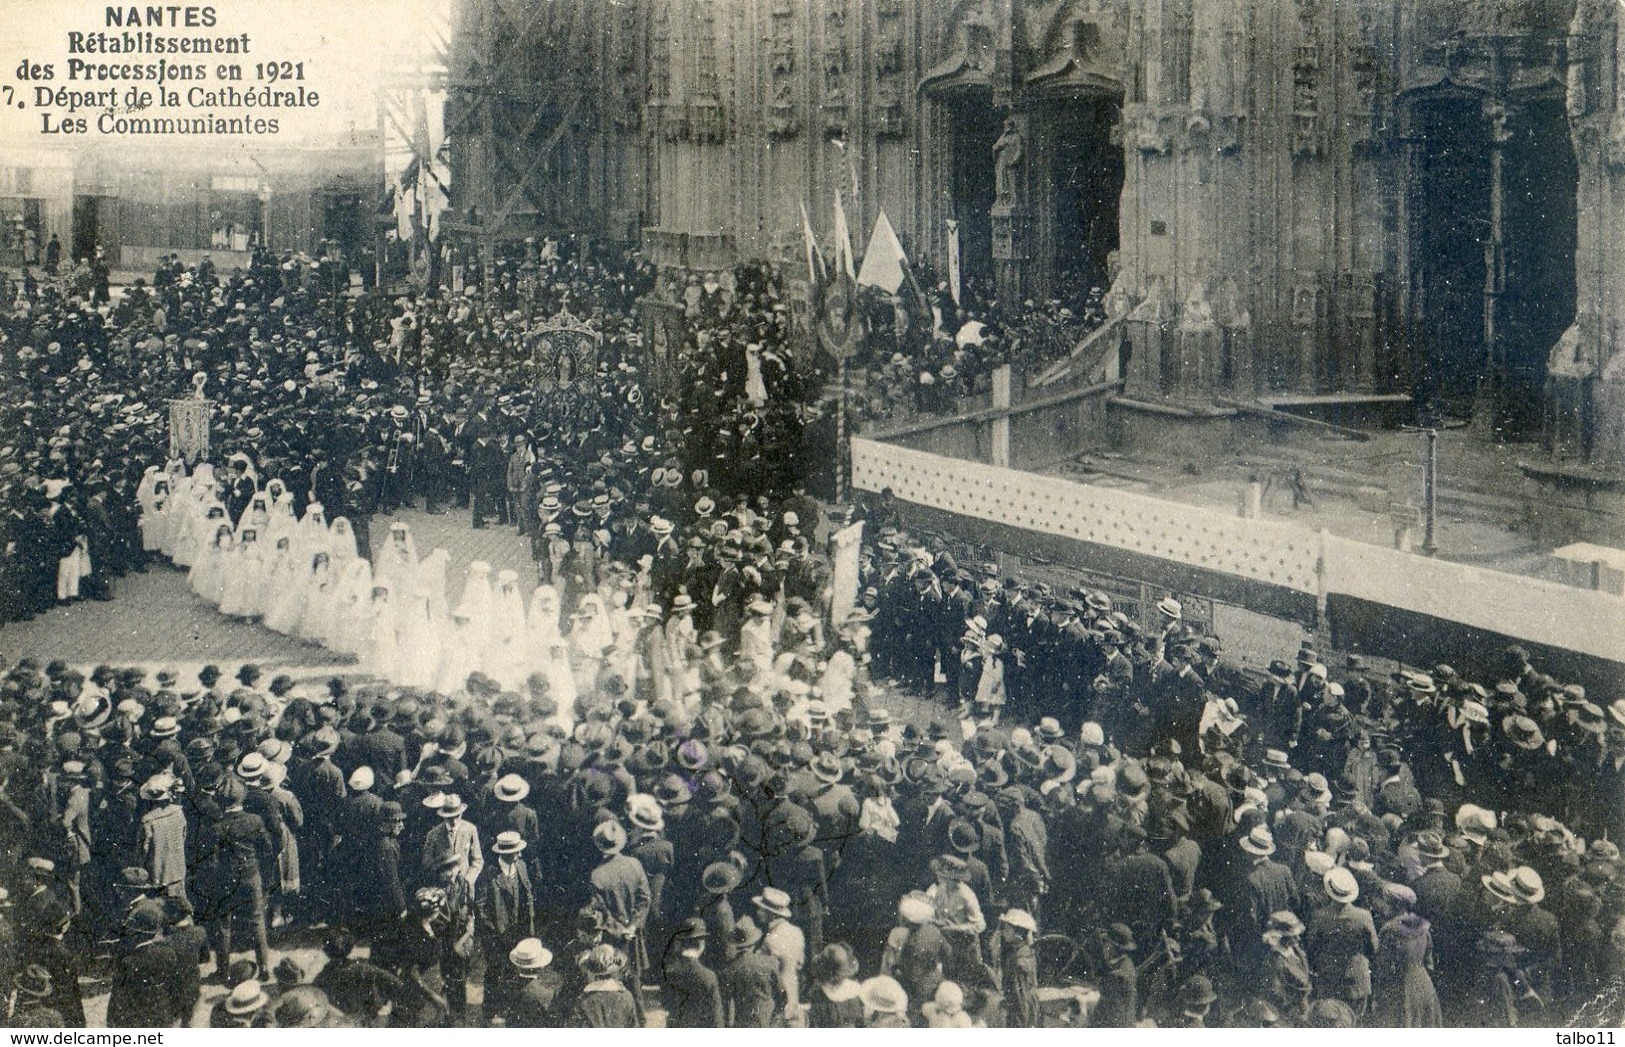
x=812, y=514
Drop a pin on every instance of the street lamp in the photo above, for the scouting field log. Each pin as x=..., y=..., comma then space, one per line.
x=265, y=215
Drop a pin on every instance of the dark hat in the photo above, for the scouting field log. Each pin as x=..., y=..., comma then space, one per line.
x=1198, y=992
x=964, y=836
x=745, y=934
x=1119, y=935
x=720, y=877
x=1431, y=845
x=34, y=982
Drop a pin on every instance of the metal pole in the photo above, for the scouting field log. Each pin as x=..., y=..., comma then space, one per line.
x=841, y=450
x=1430, y=473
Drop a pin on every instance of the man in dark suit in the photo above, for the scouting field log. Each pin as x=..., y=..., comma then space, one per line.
x=378, y=747
x=143, y=977
x=1270, y=887
x=504, y=915
x=692, y=993
x=50, y=951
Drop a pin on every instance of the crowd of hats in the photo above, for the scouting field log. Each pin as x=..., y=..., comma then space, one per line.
x=861, y=830
x=1223, y=872
x=952, y=354
x=296, y=379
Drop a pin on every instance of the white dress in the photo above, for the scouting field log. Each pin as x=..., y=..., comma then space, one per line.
x=313, y=531
x=285, y=588
x=419, y=637
x=351, y=610
x=341, y=543
x=396, y=562
x=321, y=600
x=189, y=535
x=257, y=515
x=381, y=655
x=590, y=641
x=207, y=574
x=506, y=651
x=549, y=653
x=173, y=511
x=151, y=504
x=459, y=656
x=478, y=605
x=432, y=578
x=283, y=523
x=241, y=574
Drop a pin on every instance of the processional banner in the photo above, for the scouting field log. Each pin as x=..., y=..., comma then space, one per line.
x=189, y=429
x=846, y=544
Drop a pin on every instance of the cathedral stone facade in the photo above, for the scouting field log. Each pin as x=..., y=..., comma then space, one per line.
x=1322, y=198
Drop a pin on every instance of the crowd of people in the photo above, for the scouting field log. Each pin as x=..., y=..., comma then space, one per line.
x=663, y=777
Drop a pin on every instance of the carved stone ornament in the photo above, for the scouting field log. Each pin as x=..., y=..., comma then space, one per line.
x=1305, y=302
x=1196, y=314
x=1158, y=306
x=674, y=121
x=1147, y=130
x=1497, y=114
x=1124, y=293
x=1229, y=307
x=1362, y=301
x=1616, y=143
x=783, y=121
x=834, y=111
x=1494, y=17
x=889, y=121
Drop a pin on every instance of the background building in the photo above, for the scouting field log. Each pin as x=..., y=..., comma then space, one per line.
x=1341, y=200
x=140, y=203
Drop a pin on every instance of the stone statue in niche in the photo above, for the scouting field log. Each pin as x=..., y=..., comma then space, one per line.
x=1122, y=296
x=1196, y=316
x=835, y=111
x=1497, y=114
x=889, y=111
x=710, y=122
x=1305, y=304
x=1007, y=159
x=889, y=49
x=1229, y=308
x=1197, y=121
x=783, y=52
x=782, y=121
x=1363, y=296
x=1158, y=306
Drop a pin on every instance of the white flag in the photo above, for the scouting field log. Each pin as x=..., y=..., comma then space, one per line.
x=812, y=246
x=953, y=259
x=883, y=261
x=843, y=240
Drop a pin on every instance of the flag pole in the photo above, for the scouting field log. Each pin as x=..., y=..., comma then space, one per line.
x=843, y=452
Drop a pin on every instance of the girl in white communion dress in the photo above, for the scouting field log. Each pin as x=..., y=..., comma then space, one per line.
x=321, y=599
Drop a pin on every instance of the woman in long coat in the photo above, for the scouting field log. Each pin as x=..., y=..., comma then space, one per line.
x=1401, y=986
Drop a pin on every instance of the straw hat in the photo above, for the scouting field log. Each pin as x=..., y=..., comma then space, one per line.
x=883, y=995
x=246, y=998
x=1259, y=842
x=773, y=900
x=530, y=955
x=1340, y=885
x=510, y=788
